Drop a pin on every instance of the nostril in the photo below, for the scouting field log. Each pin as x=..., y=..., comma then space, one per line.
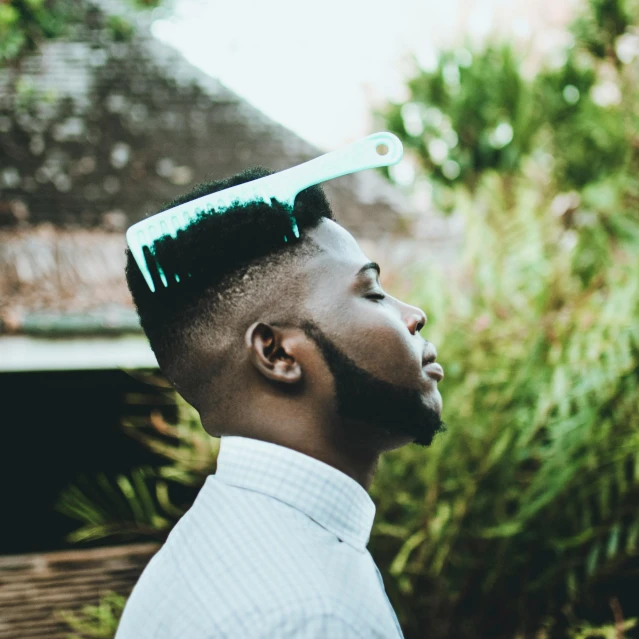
x=428, y=360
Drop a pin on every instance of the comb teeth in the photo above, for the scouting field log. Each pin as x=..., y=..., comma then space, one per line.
x=147, y=232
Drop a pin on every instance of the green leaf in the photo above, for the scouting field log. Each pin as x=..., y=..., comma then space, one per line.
x=633, y=535
x=613, y=541
x=592, y=559
x=575, y=541
x=116, y=498
x=572, y=587
x=399, y=563
x=8, y=17
x=497, y=450
x=128, y=491
x=391, y=530
x=142, y=494
x=503, y=530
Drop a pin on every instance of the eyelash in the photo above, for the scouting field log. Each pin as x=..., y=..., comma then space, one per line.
x=376, y=296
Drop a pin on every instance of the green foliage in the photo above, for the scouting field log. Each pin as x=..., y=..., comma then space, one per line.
x=24, y=24
x=597, y=30
x=476, y=112
x=463, y=118
x=95, y=622
x=123, y=508
x=587, y=141
x=138, y=505
x=609, y=631
x=121, y=30
x=530, y=498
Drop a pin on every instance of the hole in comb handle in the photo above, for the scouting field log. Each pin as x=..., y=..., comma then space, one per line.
x=382, y=149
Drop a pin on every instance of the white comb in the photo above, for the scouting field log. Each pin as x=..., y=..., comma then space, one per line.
x=379, y=149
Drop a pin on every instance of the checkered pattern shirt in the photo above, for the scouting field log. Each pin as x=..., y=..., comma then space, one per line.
x=274, y=546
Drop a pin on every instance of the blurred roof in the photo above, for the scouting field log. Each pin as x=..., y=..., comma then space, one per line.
x=105, y=127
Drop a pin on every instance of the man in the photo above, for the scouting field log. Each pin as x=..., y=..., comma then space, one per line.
x=294, y=355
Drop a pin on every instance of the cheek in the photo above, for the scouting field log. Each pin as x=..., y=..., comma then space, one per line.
x=396, y=360
x=383, y=347
x=374, y=339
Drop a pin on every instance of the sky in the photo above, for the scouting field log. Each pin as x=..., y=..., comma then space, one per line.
x=321, y=68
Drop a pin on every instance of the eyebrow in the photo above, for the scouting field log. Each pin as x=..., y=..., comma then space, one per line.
x=368, y=266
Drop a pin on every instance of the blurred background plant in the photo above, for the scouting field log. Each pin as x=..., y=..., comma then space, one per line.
x=26, y=23
x=141, y=505
x=530, y=500
x=95, y=622
x=521, y=521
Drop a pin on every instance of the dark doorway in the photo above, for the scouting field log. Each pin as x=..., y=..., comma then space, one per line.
x=55, y=426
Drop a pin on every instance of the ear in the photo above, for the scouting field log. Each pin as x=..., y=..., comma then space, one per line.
x=269, y=349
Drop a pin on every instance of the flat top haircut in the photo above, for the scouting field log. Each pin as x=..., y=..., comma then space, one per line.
x=241, y=268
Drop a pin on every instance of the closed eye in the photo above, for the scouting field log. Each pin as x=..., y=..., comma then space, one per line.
x=376, y=296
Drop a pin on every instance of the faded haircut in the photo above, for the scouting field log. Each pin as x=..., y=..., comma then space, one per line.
x=241, y=270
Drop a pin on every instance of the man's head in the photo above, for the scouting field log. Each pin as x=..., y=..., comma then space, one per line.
x=292, y=340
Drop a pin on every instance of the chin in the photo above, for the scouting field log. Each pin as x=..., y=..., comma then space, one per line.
x=433, y=400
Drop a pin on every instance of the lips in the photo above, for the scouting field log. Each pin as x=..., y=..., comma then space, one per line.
x=435, y=371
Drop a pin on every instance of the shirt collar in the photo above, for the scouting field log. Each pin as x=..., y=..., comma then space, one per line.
x=327, y=495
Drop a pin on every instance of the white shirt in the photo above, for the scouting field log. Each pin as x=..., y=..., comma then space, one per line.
x=274, y=546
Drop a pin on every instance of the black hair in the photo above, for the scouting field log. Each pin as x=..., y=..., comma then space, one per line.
x=240, y=268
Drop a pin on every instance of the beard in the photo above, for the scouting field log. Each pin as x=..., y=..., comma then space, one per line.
x=389, y=409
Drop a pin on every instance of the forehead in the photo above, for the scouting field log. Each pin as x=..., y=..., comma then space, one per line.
x=340, y=254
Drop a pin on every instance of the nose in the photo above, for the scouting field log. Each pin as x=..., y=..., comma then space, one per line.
x=416, y=319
